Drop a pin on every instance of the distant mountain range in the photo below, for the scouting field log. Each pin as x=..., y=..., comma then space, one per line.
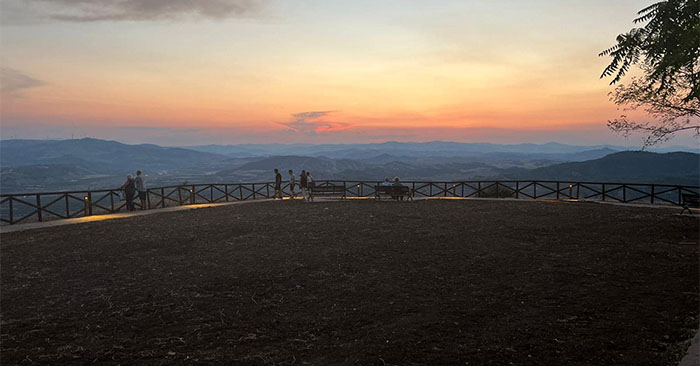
x=100, y=156
x=434, y=148
x=628, y=166
x=39, y=165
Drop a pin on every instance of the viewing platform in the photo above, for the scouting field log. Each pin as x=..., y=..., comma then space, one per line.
x=452, y=281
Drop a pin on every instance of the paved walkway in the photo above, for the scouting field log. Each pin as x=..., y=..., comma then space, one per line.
x=78, y=220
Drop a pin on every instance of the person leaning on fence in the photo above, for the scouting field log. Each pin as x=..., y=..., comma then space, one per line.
x=140, y=183
x=278, y=185
x=129, y=188
x=292, y=184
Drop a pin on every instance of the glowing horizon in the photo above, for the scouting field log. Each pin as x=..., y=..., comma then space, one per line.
x=247, y=71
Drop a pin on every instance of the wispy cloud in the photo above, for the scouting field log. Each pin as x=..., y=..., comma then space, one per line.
x=140, y=10
x=14, y=81
x=161, y=129
x=313, y=123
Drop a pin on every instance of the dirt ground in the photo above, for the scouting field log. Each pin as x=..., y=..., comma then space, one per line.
x=434, y=282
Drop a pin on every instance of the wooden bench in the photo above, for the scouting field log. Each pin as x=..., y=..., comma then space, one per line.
x=394, y=192
x=326, y=190
x=689, y=200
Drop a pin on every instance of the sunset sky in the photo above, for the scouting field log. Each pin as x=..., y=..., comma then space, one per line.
x=179, y=72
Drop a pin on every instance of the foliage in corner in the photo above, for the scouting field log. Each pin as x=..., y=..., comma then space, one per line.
x=667, y=50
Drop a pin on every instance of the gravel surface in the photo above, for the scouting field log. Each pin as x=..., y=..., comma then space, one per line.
x=358, y=282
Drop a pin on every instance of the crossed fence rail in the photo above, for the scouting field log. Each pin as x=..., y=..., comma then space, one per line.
x=41, y=206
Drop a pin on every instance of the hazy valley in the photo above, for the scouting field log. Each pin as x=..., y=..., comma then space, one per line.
x=50, y=165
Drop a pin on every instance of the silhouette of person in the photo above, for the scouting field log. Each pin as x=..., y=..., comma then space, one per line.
x=292, y=184
x=278, y=185
x=140, y=182
x=304, y=184
x=129, y=188
x=397, y=184
x=310, y=184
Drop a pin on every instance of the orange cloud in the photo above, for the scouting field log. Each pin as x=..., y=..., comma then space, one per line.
x=312, y=123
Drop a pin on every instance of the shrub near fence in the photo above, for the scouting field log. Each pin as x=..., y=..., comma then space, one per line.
x=41, y=206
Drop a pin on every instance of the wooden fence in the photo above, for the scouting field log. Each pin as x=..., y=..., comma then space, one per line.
x=32, y=207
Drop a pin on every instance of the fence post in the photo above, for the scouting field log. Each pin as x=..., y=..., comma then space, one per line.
x=624, y=193
x=578, y=191
x=498, y=191
x=148, y=198
x=38, y=206
x=603, y=190
x=9, y=201
x=226, y=191
x=89, y=202
x=240, y=190
x=86, y=205
x=67, y=206
x=111, y=201
x=534, y=190
x=558, y=189
x=192, y=198
x=253, y=190
x=211, y=193
x=162, y=197
x=652, y=194
x=179, y=195
x=517, y=189
x=680, y=199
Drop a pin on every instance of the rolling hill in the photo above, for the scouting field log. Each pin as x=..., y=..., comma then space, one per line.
x=627, y=166
x=33, y=165
x=100, y=156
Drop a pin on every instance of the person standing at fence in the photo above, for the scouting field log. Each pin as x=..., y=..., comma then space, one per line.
x=278, y=184
x=292, y=184
x=309, y=180
x=310, y=184
x=129, y=188
x=303, y=183
x=140, y=183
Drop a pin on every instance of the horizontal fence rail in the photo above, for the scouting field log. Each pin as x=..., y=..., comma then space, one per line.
x=32, y=207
